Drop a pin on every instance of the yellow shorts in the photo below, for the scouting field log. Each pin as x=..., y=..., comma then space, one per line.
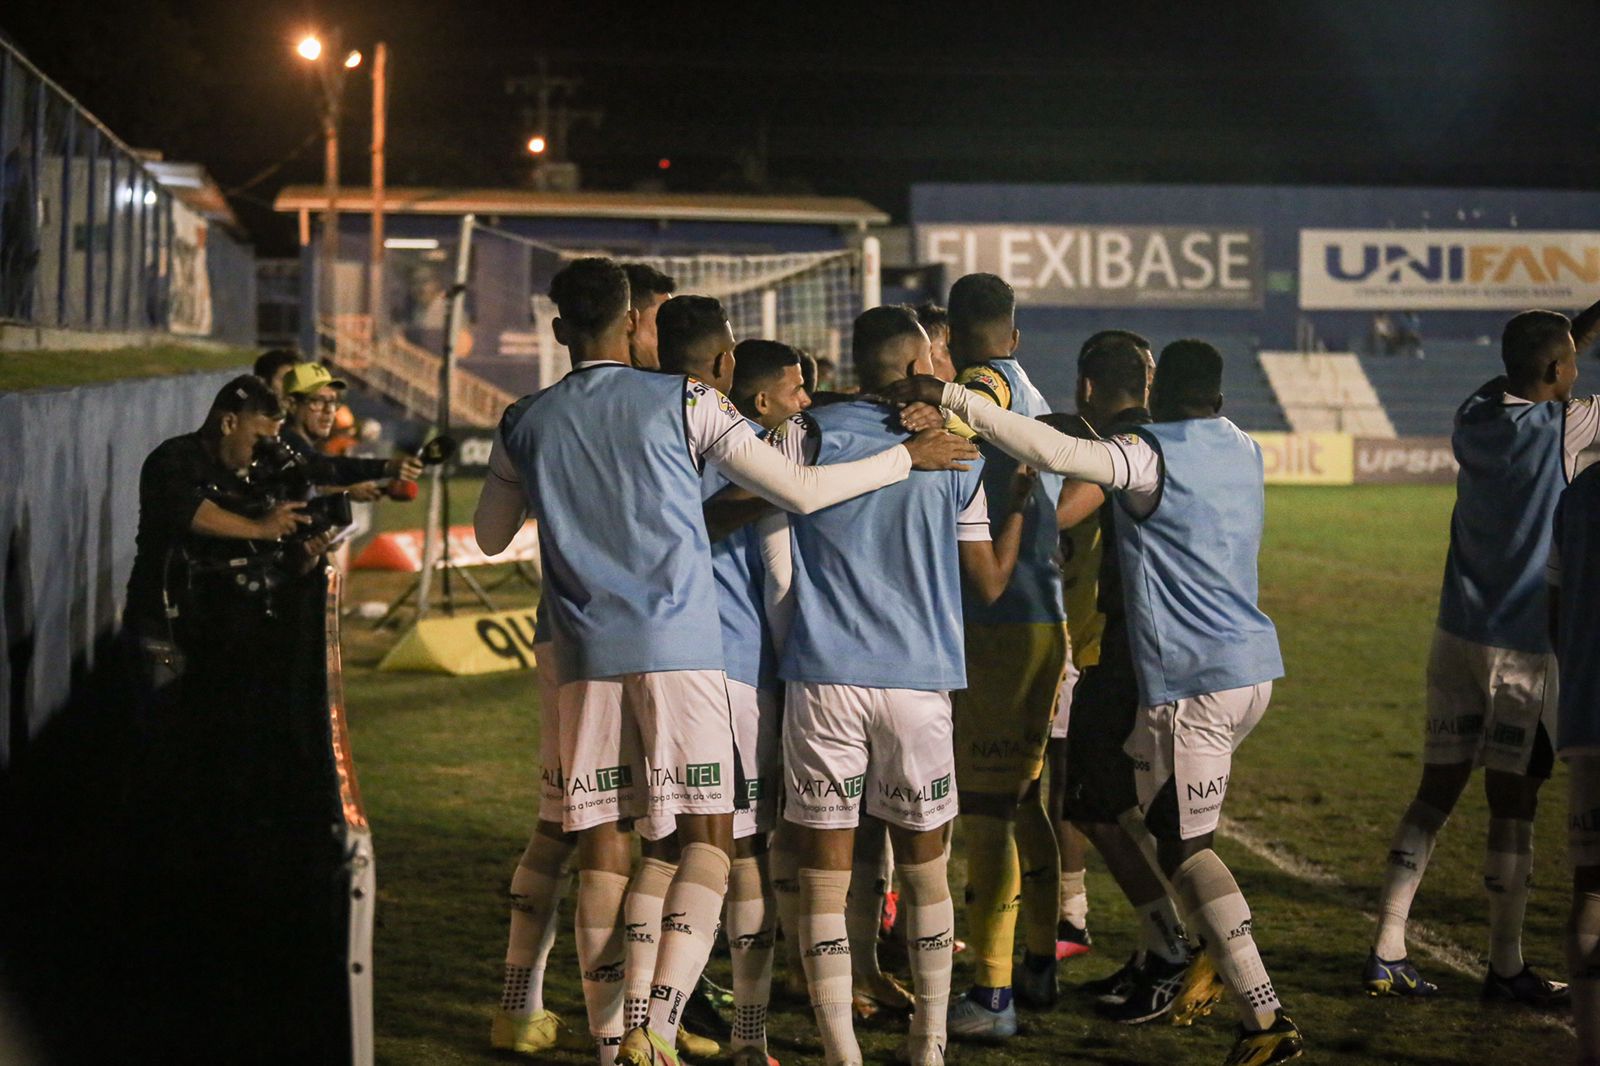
x=1002, y=717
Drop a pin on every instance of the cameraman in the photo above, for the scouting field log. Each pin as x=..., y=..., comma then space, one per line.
x=314, y=397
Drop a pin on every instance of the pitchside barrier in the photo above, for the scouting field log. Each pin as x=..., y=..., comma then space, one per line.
x=1343, y=459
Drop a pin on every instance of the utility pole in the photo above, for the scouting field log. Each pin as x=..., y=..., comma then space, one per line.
x=551, y=114
x=380, y=128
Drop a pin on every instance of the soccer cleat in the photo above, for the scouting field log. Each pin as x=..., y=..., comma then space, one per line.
x=1033, y=981
x=1072, y=940
x=1155, y=988
x=881, y=994
x=1398, y=978
x=527, y=1035
x=1200, y=992
x=973, y=1021
x=641, y=1047
x=1279, y=1042
x=701, y=1017
x=1529, y=988
x=1113, y=988
x=750, y=1055
x=701, y=1047
x=920, y=1051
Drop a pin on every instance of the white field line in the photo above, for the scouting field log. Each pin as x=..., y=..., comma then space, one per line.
x=1419, y=937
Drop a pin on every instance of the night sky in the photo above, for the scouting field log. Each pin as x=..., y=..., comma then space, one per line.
x=858, y=99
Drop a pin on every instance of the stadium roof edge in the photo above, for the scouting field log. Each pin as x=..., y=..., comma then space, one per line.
x=696, y=207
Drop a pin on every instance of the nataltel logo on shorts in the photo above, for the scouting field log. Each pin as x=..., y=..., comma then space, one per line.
x=1206, y=790
x=849, y=788
x=753, y=790
x=692, y=775
x=934, y=790
x=605, y=779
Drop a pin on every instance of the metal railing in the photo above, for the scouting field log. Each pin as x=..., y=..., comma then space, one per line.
x=407, y=373
x=88, y=237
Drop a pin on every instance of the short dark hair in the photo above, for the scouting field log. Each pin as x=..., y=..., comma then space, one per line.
x=932, y=316
x=1116, y=361
x=875, y=330
x=680, y=322
x=1188, y=374
x=590, y=293
x=978, y=300
x=645, y=283
x=757, y=362
x=1526, y=336
x=808, y=370
x=244, y=395
x=273, y=360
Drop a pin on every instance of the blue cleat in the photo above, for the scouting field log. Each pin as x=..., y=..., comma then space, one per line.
x=970, y=1020
x=1398, y=978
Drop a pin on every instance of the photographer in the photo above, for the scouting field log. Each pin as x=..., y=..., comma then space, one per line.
x=314, y=397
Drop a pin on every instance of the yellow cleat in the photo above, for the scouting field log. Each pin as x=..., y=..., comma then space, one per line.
x=700, y=1047
x=641, y=1047
x=1279, y=1042
x=525, y=1034
x=1200, y=992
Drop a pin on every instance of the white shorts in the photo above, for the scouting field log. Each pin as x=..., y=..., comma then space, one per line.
x=1063, y=715
x=758, y=742
x=1583, y=810
x=647, y=747
x=1486, y=706
x=893, y=746
x=1183, y=755
x=552, y=786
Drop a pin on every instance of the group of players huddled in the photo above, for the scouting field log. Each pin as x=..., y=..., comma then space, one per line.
x=779, y=626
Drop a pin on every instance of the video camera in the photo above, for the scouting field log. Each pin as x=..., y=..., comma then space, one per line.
x=279, y=474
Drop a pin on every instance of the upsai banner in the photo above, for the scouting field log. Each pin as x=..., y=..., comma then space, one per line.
x=1106, y=266
x=1471, y=270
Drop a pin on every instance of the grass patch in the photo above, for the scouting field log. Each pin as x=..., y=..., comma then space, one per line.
x=64, y=369
x=449, y=770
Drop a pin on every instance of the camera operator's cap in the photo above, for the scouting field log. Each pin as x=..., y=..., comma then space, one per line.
x=307, y=378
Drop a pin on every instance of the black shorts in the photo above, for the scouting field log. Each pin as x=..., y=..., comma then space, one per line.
x=1099, y=774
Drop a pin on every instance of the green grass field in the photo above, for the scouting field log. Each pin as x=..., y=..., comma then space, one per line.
x=448, y=768
x=50, y=369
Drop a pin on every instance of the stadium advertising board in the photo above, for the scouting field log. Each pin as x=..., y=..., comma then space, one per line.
x=1405, y=460
x=1307, y=458
x=1485, y=270
x=467, y=644
x=1107, y=266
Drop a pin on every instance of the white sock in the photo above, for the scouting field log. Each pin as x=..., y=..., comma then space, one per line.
x=1074, y=899
x=598, y=936
x=535, y=896
x=1218, y=912
x=1507, y=877
x=751, y=924
x=930, y=918
x=826, y=952
x=688, y=929
x=1583, y=967
x=784, y=866
x=641, y=918
x=1161, y=932
x=1409, y=853
x=863, y=914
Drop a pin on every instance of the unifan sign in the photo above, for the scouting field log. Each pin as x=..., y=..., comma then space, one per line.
x=1485, y=270
x=1107, y=266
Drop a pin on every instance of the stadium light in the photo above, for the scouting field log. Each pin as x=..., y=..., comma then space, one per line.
x=309, y=48
x=352, y=61
x=536, y=145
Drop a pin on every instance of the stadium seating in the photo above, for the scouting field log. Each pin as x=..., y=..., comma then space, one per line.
x=1421, y=395
x=1325, y=392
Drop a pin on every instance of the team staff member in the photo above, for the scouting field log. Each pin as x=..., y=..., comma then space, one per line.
x=869, y=659
x=314, y=396
x=1490, y=672
x=608, y=460
x=1190, y=508
x=1016, y=649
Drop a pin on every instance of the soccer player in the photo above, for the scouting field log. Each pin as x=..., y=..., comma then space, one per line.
x=648, y=289
x=1189, y=509
x=1016, y=651
x=870, y=656
x=608, y=461
x=1574, y=590
x=935, y=321
x=1490, y=671
x=1100, y=796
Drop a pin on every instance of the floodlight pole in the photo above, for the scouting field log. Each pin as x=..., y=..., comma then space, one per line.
x=436, y=538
